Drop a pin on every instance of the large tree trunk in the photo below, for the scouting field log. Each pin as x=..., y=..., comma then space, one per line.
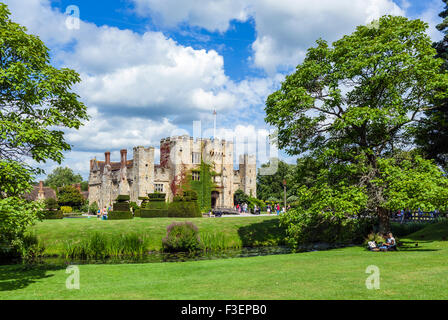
x=384, y=219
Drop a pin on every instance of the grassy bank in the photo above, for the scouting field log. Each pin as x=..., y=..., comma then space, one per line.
x=228, y=232
x=414, y=272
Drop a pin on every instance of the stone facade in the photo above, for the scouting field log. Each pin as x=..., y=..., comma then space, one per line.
x=178, y=155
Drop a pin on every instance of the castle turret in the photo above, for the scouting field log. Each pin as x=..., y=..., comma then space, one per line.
x=123, y=188
x=248, y=174
x=143, y=166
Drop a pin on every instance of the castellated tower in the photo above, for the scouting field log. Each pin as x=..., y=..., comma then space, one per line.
x=143, y=172
x=248, y=174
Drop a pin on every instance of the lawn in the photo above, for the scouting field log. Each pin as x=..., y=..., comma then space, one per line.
x=239, y=231
x=414, y=272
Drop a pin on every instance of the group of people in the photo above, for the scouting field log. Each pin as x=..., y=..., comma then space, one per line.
x=242, y=208
x=102, y=213
x=276, y=208
x=390, y=243
x=407, y=214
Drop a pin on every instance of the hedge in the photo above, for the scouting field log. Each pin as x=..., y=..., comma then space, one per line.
x=123, y=198
x=153, y=213
x=121, y=206
x=156, y=196
x=52, y=214
x=119, y=215
x=184, y=209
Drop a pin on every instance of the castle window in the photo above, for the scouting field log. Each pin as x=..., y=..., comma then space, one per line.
x=158, y=187
x=195, y=176
x=196, y=157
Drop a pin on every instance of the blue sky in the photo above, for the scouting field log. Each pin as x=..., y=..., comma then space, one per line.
x=152, y=67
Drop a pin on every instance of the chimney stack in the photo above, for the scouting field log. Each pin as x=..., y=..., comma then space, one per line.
x=107, y=156
x=41, y=193
x=123, y=153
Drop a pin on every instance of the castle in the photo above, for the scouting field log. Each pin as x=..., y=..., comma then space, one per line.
x=140, y=176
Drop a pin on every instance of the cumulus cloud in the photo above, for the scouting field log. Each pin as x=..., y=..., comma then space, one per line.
x=285, y=28
x=431, y=16
x=211, y=15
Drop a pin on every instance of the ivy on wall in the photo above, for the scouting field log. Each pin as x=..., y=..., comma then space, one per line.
x=203, y=187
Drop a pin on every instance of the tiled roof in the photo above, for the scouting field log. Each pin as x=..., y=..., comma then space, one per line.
x=114, y=165
x=48, y=193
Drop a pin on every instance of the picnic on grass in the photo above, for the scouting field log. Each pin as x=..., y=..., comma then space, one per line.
x=389, y=245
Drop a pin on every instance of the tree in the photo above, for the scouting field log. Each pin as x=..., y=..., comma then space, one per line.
x=239, y=197
x=272, y=185
x=16, y=215
x=35, y=104
x=432, y=131
x=61, y=177
x=354, y=103
x=70, y=196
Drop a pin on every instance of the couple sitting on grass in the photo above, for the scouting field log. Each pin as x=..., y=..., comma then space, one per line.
x=390, y=244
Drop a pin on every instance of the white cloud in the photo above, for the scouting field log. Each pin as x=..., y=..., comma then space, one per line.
x=212, y=15
x=133, y=83
x=431, y=16
x=285, y=28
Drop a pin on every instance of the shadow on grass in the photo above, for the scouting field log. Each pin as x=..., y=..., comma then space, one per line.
x=418, y=246
x=14, y=277
x=265, y=233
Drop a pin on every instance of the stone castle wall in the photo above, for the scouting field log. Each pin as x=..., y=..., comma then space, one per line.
x=140, y=176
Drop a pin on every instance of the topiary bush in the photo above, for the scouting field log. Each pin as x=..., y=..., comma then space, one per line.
x=182, y=237
x=121, y=209
x=153, y=213
x=184, y=209
x=119, y=215
x=123, y=198
x=156, y=207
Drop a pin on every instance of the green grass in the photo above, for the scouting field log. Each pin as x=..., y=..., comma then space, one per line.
x=228, y=232
x=411, y=273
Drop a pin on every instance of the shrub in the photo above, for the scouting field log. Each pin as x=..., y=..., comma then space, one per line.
x=16, y=216
x=182, y=237
x=84, y=208
x=66, y=209
x=123, y=198
x=52, y=214
x=134, y=206
x=70, y=196
x=121, y=206
x=51, y=204
x=93, y=208
x=119, y=215
x=153, y=213
x=184, y=209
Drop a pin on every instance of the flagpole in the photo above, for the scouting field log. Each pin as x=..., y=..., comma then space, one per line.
x=214, y=124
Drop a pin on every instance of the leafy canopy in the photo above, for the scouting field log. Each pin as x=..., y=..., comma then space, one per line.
x=360, y=95
x=62, y=177
x=36, y=103
x=352, y=105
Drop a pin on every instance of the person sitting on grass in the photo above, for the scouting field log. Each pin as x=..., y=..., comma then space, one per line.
x=390, y=243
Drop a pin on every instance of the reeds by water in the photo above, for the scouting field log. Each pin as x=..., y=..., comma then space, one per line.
x=218, y=241
x=99, y=246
